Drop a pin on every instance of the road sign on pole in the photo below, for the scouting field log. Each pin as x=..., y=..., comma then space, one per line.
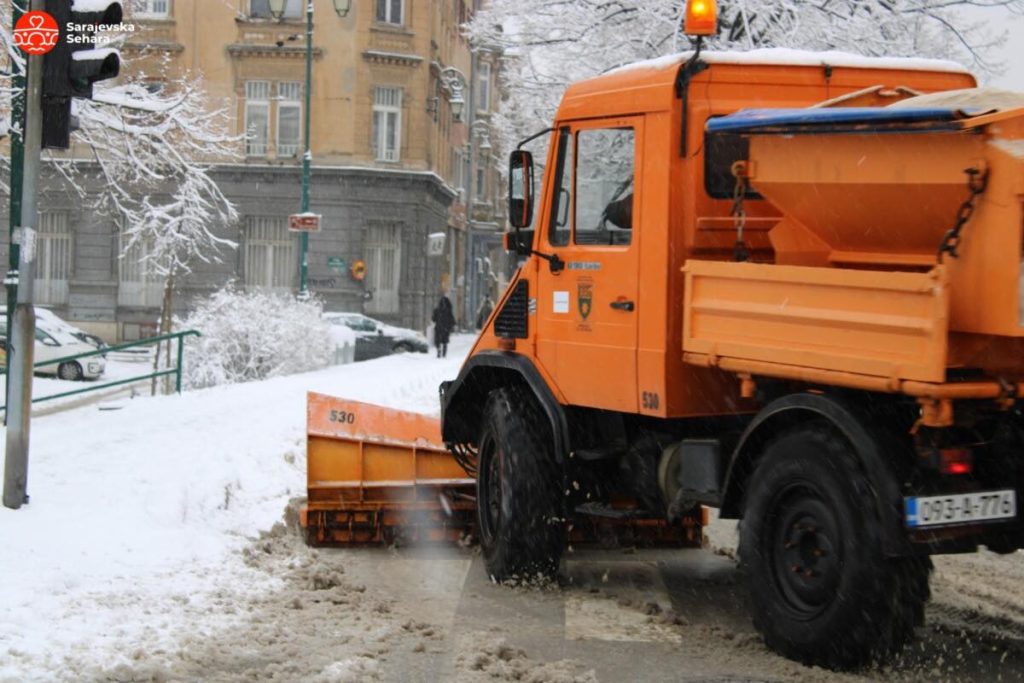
x=304, y=222
x=21, y=337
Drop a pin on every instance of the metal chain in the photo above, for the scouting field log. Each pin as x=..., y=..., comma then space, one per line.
x=977, y=181
x=739, y=213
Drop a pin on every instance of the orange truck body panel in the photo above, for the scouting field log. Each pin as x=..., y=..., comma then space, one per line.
x=613, y=361
x=890, y=325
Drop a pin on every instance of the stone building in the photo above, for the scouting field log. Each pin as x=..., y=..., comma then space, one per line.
x=395, y=164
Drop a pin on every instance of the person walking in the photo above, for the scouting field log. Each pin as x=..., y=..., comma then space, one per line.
x=444, y=321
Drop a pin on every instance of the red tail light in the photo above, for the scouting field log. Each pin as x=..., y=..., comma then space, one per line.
x=956, y=461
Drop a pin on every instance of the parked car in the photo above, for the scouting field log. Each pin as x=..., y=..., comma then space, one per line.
x=49, y=320
x=375, y=338
x=56, y=339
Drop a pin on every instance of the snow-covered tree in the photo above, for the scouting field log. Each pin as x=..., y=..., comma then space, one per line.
x=548, y=44
x=250, y=336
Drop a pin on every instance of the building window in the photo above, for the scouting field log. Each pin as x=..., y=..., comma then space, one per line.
x=458, y=179
x=289, y=115
x=139, y=286
x=481, y=185
x=387, y=123
x=383, y=266
x=260, y=9
x=270, y=257
x=53, y=259
x=151, y=8
x=257, y=117
x=483, y=81
x=389, y=11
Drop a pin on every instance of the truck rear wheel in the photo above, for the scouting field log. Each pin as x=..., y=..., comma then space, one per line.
x=518, y=491
x=823, y=591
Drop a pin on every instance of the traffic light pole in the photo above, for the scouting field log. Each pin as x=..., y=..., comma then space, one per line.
x=17, y=159
x=21, y=337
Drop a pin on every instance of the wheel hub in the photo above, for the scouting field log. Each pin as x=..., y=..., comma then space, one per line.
x=490, y=506
x=806, y=553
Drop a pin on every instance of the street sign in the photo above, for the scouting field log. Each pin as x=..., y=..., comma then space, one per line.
x=336, y=263
x=435, y=244
x=304, y=222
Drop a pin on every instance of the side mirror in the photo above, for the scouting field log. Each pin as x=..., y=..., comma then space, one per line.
x=519, y=242
x=520, y=189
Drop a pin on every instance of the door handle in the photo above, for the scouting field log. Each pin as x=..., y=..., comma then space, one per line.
x=623, y=305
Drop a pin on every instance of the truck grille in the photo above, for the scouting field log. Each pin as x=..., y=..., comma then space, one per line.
x=513, y=321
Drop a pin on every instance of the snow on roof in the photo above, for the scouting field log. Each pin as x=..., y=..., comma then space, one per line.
x=790, y=57
x=980, y=99
x=1014, y=148
x=96, y=53
x=90, y=5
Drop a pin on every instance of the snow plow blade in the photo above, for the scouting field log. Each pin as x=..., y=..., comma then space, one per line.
x=378, y=475
x=374, y=474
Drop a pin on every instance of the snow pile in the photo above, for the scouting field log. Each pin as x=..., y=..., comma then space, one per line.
x=255, y=335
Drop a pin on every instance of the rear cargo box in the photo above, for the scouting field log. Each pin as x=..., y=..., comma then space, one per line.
x=888, y=325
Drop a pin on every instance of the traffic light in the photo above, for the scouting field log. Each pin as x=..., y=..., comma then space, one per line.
x=75, y=62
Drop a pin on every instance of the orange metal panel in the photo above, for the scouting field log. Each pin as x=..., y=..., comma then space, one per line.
x=359, y=451
x=337, y=417
x=882, y=324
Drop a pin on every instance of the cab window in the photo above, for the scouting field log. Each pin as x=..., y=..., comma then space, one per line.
x=561, y=207
x=604, y=186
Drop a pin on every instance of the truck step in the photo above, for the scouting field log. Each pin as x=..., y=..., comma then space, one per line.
x=608, y=512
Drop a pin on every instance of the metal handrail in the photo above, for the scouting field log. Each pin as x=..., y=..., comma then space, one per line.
x=180, y=336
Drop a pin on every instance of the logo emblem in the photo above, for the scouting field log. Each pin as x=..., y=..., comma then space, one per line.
x=36, y=33
x=584, y=298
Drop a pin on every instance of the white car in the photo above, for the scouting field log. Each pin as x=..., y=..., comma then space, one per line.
x=54, y=344
x=57, y=339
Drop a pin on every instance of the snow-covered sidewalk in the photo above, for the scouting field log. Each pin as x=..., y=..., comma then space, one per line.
x=137, y=514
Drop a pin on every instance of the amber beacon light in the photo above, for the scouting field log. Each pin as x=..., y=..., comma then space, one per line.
x=701, y=18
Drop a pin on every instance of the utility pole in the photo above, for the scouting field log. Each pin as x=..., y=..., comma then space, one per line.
x=307, y=157
x=468, y=311
x=21, y=335
x=17, y=160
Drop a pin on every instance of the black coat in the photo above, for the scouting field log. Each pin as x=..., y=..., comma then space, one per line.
x=444, y=320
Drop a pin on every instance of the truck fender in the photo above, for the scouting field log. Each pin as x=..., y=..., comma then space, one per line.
x=788, y=411
x=463, y=399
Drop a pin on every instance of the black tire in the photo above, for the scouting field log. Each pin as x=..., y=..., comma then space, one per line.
x=70, y=370
x=402, y=347
x=822, y=590
x=522, y=534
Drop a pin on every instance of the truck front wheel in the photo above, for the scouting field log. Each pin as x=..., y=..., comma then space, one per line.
x=823, y=592
x=522, y=534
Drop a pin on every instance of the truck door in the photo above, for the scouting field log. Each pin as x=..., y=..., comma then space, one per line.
x=587, y=310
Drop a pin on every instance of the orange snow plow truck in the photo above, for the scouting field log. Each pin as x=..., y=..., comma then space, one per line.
x=785, y=285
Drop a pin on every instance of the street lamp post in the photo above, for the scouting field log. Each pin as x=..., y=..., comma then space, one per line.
x=277, y=10
x=461, y=92
x=457, y=86
x=307, y=157
x=479, y=132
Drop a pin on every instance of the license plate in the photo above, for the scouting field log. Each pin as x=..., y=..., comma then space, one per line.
x=960, y=508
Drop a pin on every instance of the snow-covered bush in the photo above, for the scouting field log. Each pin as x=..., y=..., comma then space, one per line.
x=253, y=335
